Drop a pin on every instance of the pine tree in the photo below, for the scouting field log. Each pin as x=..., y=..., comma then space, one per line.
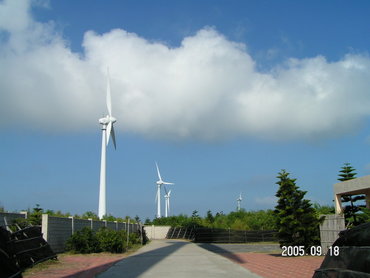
x=350, y=210
x=347, y=172
x=295, y=217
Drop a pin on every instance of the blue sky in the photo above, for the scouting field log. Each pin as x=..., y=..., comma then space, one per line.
x=222, y=94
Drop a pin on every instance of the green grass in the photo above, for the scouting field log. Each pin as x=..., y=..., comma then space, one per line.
x=41, y=266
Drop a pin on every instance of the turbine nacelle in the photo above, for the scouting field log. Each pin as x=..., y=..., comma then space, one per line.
x=107, y=119
x=163, y=182
x=240, y=198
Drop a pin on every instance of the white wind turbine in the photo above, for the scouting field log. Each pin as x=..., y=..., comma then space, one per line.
x=107, y=131
x=167, y=202
x=159, y=183
x=239, y=200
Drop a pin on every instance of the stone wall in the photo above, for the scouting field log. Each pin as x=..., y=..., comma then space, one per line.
x=156, y=232
x=330, y=229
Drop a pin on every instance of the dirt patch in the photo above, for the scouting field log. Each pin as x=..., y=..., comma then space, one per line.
x=80, y=266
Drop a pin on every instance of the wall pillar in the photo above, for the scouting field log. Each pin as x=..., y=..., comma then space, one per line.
x=44, y=226
x=338, y=204
x=367, y=199
x=25, y=213
x=72, y=224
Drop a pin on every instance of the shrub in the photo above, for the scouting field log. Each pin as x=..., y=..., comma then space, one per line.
x=106, y=240
x=111, y=241
x=19, y=223
x=83, y=241
x=134, y=238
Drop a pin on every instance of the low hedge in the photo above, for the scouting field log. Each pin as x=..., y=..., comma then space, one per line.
x=104, y=240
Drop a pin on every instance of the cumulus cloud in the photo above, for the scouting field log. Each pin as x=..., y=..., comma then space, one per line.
x=207, y=88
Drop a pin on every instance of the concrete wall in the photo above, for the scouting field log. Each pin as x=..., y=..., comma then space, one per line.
x=57, y=230
x=330, y=229
x=156, y=232
x=10, y=217
x=96, y=224
x=351, y=187
x=79, y=224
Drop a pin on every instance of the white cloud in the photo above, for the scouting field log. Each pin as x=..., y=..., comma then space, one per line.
x=207, y=88
x=14, y=15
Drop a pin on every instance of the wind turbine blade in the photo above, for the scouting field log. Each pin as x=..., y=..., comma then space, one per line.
x=109, y=100
x=113, y=137
x=165, y=189
x=169, y=183
x=169, y=193
x=159, y=174
x=109, y=128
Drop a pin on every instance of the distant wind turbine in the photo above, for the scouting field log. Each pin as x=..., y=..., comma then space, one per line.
x=239, y=200
x=167, y=202
x=159, y=183
x=107, y=132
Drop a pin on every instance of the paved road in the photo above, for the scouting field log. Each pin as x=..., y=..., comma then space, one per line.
x=176, y=258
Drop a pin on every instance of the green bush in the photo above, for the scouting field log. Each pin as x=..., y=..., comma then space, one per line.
x=19, y=222
x=134, y=238
x=104, y=240
x=111, y=241
x=84, y=241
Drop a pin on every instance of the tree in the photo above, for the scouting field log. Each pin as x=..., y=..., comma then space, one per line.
x=323, y=209
x=90, y=214
x=137, y=219
x=209, y=217
x=347, y=172
x=2, y=209
x=296, y=221
x=35, y=216
x=350, y=210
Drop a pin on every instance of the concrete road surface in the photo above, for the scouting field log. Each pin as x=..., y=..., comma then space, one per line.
x=175, y=258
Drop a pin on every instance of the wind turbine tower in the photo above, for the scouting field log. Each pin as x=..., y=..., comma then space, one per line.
x=167, y=202
x=107, y=132
x=159, y=183
x=239, y=200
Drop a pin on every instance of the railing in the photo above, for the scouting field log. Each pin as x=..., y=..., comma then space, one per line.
x=181, y=233
x=220, y=235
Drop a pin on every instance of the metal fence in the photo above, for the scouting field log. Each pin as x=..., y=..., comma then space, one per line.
x=181, y=233
x=209, y=235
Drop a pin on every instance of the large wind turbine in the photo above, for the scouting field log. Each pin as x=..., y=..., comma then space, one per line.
x=167, y=202
x=239, y=201
x=107, y=131
x=159, y=183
